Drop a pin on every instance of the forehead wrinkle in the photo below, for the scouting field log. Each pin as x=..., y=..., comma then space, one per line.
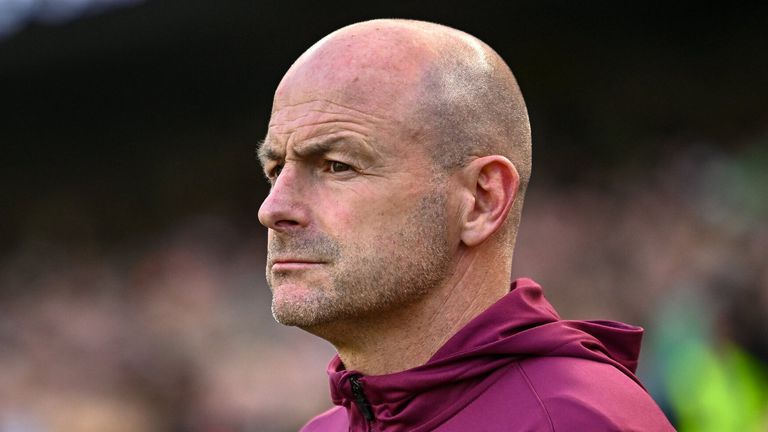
x=342, y=142
x=291, y=113
x=327, y=102
x=321, y=123
x=348, y=124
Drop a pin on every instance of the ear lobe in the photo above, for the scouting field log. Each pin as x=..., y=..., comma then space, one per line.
x=495, y=181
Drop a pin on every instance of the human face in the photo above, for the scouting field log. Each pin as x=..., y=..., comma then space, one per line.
x=356, y=213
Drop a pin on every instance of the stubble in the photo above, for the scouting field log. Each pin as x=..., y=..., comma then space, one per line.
x=364, y=278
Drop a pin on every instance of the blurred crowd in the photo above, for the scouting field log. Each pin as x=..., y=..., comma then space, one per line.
x=174, y=334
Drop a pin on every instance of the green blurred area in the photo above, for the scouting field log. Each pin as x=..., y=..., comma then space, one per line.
x=712, y=383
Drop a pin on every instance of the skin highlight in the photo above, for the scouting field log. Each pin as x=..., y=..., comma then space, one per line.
x=392, y=189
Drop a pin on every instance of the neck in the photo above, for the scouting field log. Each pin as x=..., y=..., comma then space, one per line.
x=409, y=335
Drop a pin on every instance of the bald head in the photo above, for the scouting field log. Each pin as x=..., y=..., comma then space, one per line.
x=446, y=91
x=452, y=92
x=449, y=86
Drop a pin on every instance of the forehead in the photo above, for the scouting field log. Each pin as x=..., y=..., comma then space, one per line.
x=322, y=116
x=364, y=87
x=379, y=133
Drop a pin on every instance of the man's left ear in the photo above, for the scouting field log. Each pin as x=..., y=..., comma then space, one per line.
x=492, y=183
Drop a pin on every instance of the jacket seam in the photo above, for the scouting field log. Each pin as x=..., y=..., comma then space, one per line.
x=536, y=394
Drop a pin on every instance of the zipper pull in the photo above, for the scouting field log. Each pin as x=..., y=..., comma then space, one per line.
x=360, y=400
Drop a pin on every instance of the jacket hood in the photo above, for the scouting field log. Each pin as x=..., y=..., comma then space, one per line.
x=521, y=324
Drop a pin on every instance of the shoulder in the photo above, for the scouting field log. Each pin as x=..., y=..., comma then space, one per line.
x=581, y=394
x=335, y=419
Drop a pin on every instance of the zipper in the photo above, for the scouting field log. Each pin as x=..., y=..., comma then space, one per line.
x=362, y=403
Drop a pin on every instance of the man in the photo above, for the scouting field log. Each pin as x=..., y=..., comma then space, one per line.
x=398, y=154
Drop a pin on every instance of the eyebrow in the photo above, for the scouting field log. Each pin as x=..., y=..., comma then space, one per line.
x=266, y=152
x=314, y=148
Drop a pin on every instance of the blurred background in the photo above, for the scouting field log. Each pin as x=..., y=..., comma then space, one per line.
x=132, y=295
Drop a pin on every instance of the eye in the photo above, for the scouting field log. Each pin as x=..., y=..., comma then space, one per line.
x=274, y=172
x=336, y=167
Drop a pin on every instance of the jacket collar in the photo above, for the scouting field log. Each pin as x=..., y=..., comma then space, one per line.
x=519, y=325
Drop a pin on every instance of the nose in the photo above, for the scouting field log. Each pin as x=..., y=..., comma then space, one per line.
x=285, y=207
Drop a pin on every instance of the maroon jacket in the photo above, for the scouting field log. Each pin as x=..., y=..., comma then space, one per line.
x=515, y=367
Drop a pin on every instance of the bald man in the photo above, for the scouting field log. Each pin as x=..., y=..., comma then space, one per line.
x=398, y=154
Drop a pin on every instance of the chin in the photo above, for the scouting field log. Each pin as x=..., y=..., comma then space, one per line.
x=300, y=306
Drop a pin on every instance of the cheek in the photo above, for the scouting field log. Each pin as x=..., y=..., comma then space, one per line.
x=335, y=213
x=366, y=212
x=360, y=219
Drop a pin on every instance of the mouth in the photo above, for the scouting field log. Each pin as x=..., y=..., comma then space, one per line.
x=288, y=264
